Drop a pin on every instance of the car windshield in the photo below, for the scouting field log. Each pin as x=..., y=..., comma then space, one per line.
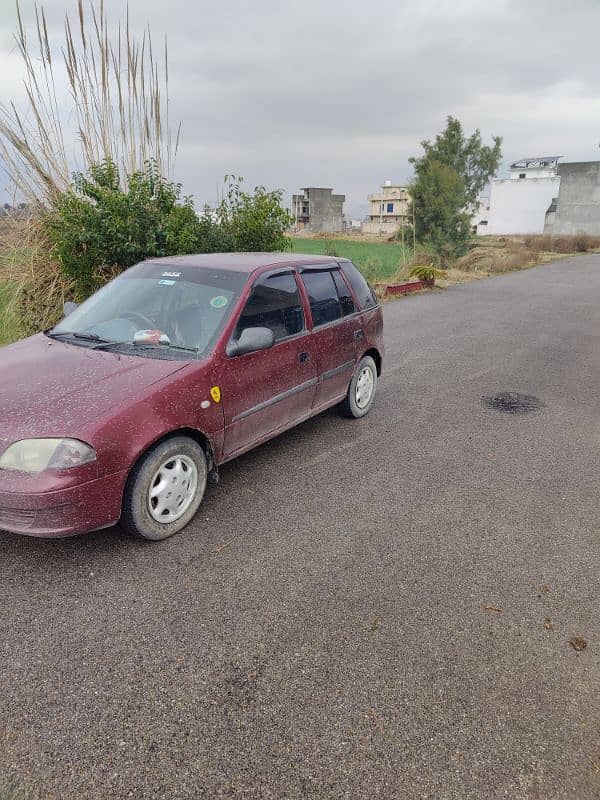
x=159, y=309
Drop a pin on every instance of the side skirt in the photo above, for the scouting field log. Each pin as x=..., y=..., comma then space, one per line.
x=278, y=431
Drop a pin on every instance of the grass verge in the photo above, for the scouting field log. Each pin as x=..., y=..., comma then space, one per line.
x=489, y=256
x=9, y=329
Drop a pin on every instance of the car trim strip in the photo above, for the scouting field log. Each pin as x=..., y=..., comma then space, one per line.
x=331, y=373
x=277, y=399
x=337, y=321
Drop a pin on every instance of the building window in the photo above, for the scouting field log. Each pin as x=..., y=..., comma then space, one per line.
x=522, y=175
x=390, y=208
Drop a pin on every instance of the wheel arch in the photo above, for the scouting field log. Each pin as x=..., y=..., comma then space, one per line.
x=376, y=356
x=193, y=433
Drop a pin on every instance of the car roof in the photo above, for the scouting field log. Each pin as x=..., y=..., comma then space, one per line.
x=243, y=262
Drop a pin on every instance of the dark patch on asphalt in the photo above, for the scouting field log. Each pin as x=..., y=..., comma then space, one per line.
x=513, y=403
x=578, y=643
x=242, y=685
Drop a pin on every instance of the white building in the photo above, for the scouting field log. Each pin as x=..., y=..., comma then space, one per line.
x=480, y=212
x=518, y=204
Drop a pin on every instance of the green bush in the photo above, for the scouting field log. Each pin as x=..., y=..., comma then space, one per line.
x=99, y=224
x=425, y=273
x=252, y=222
x=99, y=228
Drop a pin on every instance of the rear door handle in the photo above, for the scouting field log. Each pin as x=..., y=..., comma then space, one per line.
x=303, y=357
x=359, y=334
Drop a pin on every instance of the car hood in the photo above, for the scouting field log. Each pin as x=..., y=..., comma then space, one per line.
x=50, y=388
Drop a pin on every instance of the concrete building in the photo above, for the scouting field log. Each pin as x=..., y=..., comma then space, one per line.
x=576, y=206
x=518, y=204
x=318, y=210
x=537, y=167
x=388, y=209
x=480, y=212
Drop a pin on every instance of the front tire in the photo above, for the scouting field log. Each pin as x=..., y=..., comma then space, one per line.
x=165, y=489
x=361, y=392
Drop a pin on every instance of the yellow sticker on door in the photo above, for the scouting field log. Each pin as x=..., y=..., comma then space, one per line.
x=215, y=393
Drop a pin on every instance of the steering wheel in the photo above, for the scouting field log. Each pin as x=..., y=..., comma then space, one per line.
x=136, y=317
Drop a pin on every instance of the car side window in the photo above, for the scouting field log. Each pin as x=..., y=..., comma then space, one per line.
x=364, y=294
x=274, y=303
x=323, y=296
x=344, y=293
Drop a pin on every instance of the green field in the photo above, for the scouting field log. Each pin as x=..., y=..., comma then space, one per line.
x=376, y=260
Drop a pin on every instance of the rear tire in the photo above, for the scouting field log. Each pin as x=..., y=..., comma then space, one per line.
x=165, y=489
x=362, y=389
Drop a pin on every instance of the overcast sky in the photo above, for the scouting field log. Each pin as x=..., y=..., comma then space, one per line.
x=340, y=93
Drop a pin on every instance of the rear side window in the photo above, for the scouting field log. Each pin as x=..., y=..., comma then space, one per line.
x=364, y=294
x=323, y=297
x=344, y=293
x=274, y=303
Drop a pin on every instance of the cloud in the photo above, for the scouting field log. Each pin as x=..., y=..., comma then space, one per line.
x=340, y=93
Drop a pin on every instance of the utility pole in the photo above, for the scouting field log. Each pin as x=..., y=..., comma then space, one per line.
x=414, y=229
x=402, y=235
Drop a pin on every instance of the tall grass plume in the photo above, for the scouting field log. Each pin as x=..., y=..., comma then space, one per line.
x=116, y=110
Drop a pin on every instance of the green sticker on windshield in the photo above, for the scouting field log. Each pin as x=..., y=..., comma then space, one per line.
x=219, y=301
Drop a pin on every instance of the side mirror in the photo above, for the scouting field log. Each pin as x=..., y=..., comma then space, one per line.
x=69, y=307
x=251, y=339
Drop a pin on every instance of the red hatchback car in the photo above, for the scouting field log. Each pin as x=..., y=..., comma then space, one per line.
x=125, y=409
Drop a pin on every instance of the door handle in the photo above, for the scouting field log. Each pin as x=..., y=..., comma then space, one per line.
x=359, y=334
x=303, y=357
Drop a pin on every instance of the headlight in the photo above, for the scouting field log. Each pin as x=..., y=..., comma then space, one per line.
x=36, y=455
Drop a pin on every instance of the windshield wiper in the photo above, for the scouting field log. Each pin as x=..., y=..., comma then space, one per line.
x=87, y=337
x=177, y=347
x=102, y=343
x=99, y=342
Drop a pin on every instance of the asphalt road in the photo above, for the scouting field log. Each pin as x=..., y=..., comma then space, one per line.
x=373, y=609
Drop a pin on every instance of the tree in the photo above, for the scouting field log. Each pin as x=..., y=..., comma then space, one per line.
x=475, y=162
x=441, y=221
x=449, y=177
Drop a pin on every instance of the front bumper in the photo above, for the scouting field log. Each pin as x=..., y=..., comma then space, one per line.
x=64, y=512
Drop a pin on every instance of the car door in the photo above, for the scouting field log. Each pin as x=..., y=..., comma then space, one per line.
x=268, y=390
x=337, y=331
